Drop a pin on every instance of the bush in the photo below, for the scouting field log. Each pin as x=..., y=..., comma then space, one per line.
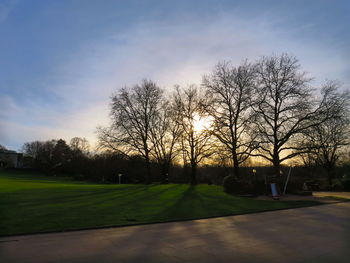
x=337, y=185
x=234, y=186
x=293, y=187
x=346, y=182
x=231, y=185
x=259, y=187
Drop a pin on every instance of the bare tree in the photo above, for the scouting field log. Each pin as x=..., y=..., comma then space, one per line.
x=81, y=145
x=165, y=133
x=42, y=154
x=326, y=140
x=32, y=149
x=229, y=91
x=195, y=141
x=285, y=108
x=134, y=111
x=2, y=148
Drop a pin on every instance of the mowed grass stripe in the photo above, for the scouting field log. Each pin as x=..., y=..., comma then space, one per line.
x=33, y=203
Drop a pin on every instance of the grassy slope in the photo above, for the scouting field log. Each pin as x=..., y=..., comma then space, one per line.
x=31, y=203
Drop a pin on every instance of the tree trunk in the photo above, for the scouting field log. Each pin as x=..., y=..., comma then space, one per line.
x=276, y=163
x=148, y=170
x=236, y=171
x=193, y=179
x=329, y=171
x=185, y=168
x=165, y=173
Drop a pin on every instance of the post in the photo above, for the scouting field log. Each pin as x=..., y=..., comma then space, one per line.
x=120, y=177
x=285, y=186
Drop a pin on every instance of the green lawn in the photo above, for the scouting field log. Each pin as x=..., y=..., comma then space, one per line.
x=33, y=203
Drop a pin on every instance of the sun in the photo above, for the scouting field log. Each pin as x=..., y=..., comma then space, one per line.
x=201, y=123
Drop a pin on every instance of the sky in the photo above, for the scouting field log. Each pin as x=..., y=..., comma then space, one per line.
x=60, y=60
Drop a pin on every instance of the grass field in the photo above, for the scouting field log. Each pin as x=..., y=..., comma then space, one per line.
x=33, y=203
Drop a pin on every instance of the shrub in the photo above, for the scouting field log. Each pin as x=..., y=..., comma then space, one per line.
x=231, y=185
x=259, y=187
x=346, y=182
x=337, y=185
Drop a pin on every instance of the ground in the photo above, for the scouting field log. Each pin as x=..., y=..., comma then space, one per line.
x=311, y=234
x=33, y=203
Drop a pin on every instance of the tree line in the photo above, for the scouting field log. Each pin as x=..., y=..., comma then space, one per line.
x=56, y=156
x=267, y=109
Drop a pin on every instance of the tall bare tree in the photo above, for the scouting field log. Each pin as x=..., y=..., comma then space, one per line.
x=326, y=140
x=229, y=93
x=285, y=108
x=42, y=153
x=133, y=112
x=165, y=133
x=195, y=141
x=80, y=145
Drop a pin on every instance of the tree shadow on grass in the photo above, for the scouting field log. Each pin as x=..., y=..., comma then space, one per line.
x=187, y=205
x=97, y=208
x=92, y=196
x=196, y=202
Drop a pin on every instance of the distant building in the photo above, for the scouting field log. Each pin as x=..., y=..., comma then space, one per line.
x=10, y=159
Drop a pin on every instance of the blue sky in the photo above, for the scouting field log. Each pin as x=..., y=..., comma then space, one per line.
x=61, y=60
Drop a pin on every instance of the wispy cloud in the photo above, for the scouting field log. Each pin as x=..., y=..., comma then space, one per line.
x=172, y=52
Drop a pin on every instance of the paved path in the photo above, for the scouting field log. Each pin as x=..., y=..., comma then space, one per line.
x=323, y=197
x=335, y=194
x=313, y=234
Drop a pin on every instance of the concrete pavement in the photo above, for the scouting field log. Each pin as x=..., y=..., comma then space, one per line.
x=312, y=234
x=334, y=194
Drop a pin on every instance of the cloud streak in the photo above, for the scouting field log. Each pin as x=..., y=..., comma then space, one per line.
x=171, y=52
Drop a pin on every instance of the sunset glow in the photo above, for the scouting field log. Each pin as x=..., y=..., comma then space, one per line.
x=201, y=123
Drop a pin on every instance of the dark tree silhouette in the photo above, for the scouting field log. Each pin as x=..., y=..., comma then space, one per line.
x=326, y=140
x=41, y=153
x=285, y=108
x=229, y=93
x=133, y=112
x=165, y=133
x=3, y=148
x=80, y=145
x=196, y=144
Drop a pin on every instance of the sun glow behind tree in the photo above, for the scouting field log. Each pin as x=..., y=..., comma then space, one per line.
x=243, y=113
x=202, y=123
